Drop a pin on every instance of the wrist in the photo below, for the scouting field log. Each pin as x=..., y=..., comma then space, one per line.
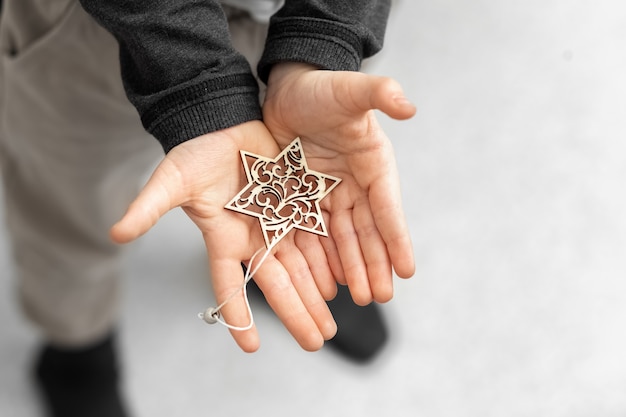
x=283, y=69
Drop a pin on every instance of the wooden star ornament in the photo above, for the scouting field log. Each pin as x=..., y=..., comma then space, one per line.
x=283, y=193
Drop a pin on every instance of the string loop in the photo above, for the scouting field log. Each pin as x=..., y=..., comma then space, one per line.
x=213, y=315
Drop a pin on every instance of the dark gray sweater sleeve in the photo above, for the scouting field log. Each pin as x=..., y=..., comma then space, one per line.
x=178, y=66
x=184, y=77
x=331, y=34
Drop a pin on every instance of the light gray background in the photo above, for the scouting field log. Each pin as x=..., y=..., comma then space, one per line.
x=513, y=174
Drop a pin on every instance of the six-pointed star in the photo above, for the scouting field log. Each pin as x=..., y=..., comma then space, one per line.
x=283, y=193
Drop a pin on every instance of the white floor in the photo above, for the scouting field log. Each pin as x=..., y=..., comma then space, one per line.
x=513, y=172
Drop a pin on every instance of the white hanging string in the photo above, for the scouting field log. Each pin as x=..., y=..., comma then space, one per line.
x=212, y=315
x=287, y=169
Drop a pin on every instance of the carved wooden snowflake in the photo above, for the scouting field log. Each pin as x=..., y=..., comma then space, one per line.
x=283, y=193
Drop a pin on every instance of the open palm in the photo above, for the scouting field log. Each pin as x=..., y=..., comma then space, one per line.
x=201, y=176
x=333, y=114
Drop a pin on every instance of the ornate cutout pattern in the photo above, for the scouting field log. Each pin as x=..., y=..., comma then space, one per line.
x=283, y=193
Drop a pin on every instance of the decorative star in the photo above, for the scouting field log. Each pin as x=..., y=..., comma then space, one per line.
x=283, y=193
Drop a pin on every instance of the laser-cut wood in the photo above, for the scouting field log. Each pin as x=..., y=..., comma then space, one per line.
x=283, y=193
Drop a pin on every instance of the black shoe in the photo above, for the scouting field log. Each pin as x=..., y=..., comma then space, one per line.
x=80, y=382
x=361, y=331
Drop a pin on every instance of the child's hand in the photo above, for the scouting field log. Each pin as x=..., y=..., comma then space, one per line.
x=332, y=112
x=201, y=176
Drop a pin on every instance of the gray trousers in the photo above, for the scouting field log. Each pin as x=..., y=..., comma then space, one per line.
x=73, y=155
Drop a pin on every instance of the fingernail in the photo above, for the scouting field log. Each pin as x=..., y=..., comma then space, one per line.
x=402, y=100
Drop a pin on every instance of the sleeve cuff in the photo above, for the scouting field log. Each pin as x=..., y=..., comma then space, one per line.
x=202, y=109
x=330, y=46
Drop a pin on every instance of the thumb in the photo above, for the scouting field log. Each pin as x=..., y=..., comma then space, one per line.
x=370, y=92
x=160, y=194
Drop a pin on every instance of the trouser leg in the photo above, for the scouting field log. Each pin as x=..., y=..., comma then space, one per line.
x=72, y=153
x=247, y=36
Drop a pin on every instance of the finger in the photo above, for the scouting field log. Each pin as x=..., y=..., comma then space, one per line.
x=332, y=255
x=347, y=241
x=227, y=276
x=386, y=205
x=161, y=193
x=315, y=255
x=304, y=283
x=282, y=297
x=370, y=92
x=374, y=252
